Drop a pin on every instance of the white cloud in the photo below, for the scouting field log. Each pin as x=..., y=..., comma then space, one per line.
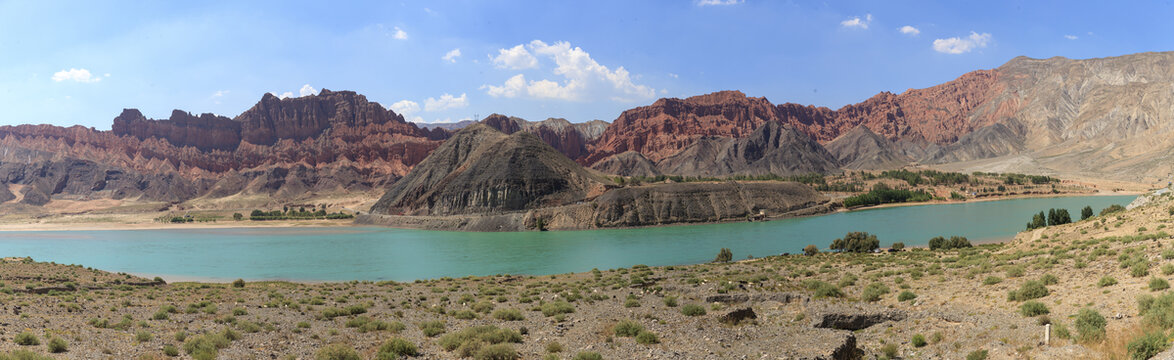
x=583, y=78
x=445, y=102
x=514, y=58
x=957, y=45
x=284, y=95
x=674, y=76
x=220, y=93
x=1071, y=37
x=405, y=107
x=512, y=87
x=909, y=30
x=857, y=22
x=307, y=90
x=399, y=34
x=718, y=2
x=452, y=56
x=76, y=75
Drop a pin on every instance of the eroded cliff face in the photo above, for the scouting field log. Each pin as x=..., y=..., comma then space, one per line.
x=568, y=138
x=1105, y=117
x=206, y=132
x=289, y=148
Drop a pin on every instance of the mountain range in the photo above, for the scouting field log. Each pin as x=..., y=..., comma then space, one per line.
x=1105, y=118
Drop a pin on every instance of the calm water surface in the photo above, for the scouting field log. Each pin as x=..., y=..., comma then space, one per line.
x=325, y=254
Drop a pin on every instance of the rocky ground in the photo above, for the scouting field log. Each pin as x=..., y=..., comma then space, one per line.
x=913, y=304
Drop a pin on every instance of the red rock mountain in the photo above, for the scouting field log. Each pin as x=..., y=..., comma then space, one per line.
x=939, y=114
x=333, y=141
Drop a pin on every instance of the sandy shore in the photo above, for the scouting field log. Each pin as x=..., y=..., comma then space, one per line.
x=89, y=226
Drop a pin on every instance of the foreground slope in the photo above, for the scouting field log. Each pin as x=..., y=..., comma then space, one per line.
x=957, y=302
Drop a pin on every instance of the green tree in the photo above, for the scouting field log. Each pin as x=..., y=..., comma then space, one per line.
x=810, y=250
x=1086, y=213
x=724, y=256
x=857, y=242
x=237, y=216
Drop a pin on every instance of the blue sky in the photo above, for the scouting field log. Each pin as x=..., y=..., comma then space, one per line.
x=69, y=63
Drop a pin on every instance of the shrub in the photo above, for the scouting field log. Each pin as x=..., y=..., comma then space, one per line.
x=874, y=291
x=1027, y=291
x=825, y=290
x=856, y=242
x=1090, y=325
x=588, y=355
x=554, y=347
x=1112, y=209
x=1049, y=279
x=57, y=345
x=469, y=341
x=1033, y=308
x=1139, y=269
x=170, y=350
x=396, y=347
x=692, y=310
x=432, y=328
x=724, y=256
x=632, y=302
x=977, y=355
x=1158, y=284
x=496, y=352
x=810, y=250
x=557, y=307
x=918, y=340
x=1158, y=312
x=1147, y=345
x=906, y=296
x=628, y=328
x=238, y=283
x=143, y=336
x=1106, y=281
x=1015, y=271
x=647, y=338
x=898, y=246
x=991, y=280
x=464, y=315
x=890, y=351
x=206, y=346
x=337, y=352
x=508, y=315
x=26, y=339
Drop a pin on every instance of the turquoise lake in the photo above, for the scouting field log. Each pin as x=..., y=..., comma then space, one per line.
x=359, y=253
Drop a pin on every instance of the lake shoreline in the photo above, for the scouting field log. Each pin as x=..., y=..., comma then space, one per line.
x=245, y=224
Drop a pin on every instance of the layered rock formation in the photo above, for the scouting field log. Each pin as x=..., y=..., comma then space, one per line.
x=862, y=149
x=289, y=148
x=568, y=138
x=483, y=170
x=772, y=148
x=1108, y=117
x=628, y=163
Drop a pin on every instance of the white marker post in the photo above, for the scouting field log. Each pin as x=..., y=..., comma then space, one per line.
x=1047, y=334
